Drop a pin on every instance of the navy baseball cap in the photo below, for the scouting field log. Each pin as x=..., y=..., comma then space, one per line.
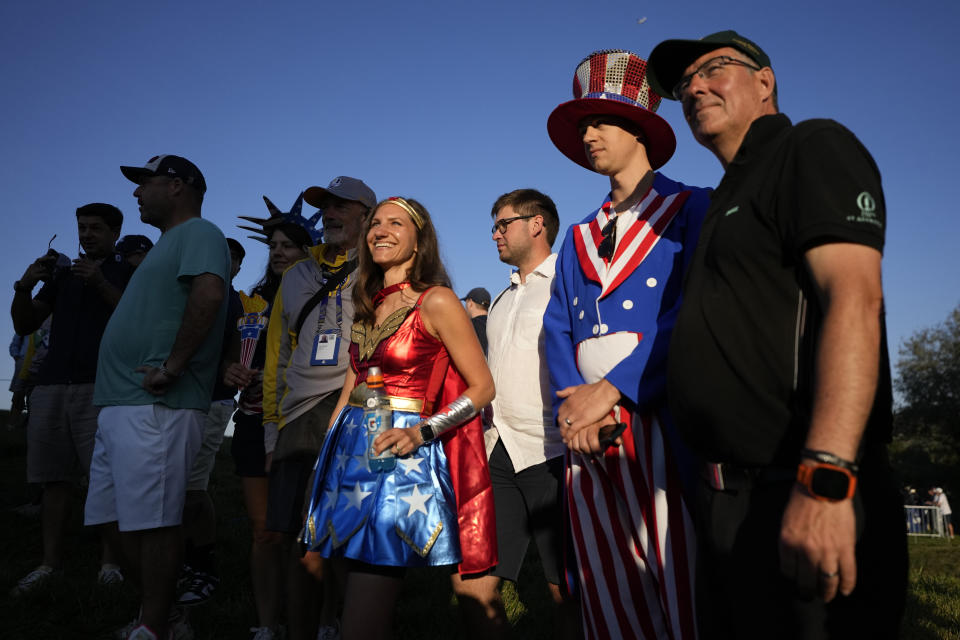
x=479, y=295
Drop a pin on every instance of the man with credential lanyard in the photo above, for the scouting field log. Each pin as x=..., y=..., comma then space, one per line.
x=306, y=362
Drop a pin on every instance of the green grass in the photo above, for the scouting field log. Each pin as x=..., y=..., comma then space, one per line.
x=75, y=607
x=933, y=602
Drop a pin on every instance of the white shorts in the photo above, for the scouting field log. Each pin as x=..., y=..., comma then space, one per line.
x=141, y=459
x=215, y=424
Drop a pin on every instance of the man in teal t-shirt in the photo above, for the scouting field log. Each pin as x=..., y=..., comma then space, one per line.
x=157, y=364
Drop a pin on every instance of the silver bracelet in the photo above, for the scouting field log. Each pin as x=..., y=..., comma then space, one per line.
x=453, y=415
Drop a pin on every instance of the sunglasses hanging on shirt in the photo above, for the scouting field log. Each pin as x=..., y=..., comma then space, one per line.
x=609, y=241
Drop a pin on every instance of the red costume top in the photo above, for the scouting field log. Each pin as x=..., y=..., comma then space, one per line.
x=415, y=364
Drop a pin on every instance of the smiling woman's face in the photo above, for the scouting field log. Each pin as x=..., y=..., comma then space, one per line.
x=392, y=237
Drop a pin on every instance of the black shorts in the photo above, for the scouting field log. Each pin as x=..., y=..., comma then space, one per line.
x=246, y=447
x=291, y=478
x=528, y=505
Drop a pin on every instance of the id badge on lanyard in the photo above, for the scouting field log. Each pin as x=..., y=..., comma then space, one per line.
x=326, y=344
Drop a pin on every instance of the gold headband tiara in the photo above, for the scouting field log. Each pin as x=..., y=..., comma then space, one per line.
x=406, y=206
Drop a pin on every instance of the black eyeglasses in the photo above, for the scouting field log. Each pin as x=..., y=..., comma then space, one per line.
x=501, y=225
x=707, y=71
x=609, y=242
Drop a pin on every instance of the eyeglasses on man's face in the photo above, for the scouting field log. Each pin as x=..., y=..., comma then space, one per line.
x=709, y=70
x=501, y=225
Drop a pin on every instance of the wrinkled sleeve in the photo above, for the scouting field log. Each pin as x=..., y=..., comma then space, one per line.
x=837, y=194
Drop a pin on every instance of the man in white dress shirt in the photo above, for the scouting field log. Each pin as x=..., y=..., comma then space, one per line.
x=523, y=443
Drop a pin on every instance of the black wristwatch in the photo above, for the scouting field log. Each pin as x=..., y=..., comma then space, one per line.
x=426, y=432
x=827, y=482
x=19, y=288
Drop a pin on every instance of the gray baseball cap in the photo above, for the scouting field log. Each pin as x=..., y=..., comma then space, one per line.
x=343, y=187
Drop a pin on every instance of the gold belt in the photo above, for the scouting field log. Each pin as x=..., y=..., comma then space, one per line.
x=411, y=405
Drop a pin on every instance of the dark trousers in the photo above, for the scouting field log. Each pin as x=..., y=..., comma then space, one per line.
x=741, y=592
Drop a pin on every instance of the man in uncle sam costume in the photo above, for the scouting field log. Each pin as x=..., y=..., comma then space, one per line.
x=607, y=326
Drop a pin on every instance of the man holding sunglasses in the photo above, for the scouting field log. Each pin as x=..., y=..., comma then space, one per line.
x=779, y=375
x=607, y=326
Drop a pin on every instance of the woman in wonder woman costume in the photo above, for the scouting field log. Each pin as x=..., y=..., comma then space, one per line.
x=436, y=506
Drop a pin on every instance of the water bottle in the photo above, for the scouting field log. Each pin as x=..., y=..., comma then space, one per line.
x=377, y=418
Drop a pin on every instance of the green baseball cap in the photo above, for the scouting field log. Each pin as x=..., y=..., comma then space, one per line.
x=668, y=60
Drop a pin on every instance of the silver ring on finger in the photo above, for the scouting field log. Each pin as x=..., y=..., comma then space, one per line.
x=568, y=421
x=828, y=576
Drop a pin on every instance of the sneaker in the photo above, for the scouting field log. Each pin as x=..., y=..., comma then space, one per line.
x=124, y=632
x=329, y=632
x=199, y=589
x=263, y=633
x=141, y=632
x=33, y=580
x=110, y=574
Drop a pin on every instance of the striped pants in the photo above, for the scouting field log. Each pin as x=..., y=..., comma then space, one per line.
x=633, y=538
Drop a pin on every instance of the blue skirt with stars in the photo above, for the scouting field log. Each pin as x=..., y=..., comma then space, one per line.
x=403, y=518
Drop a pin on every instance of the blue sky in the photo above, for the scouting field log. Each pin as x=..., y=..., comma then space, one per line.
x=445, y=102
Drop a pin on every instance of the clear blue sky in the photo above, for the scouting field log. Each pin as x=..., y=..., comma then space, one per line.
x=444, y=101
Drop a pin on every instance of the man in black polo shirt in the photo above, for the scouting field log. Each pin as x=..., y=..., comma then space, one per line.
x=778, y=371
x=63, y=419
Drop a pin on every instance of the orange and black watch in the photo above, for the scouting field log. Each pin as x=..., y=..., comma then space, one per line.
x=829, y=477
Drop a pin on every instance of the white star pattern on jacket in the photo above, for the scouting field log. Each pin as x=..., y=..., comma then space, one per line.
x=417, y=501
x=355, y=498
x=410, y=465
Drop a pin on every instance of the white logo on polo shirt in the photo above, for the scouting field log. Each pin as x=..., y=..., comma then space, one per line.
x=868, y=210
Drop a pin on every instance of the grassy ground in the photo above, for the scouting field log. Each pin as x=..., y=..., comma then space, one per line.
x=933, y=602
x=75, y=607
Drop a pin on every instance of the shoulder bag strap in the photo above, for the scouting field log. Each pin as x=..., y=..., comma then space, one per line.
x=332, y=283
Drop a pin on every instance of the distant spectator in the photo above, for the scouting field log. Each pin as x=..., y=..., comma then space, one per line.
x=134, y=248
x=158, y=362
x=939, y=499
x=32, y=350
x=63, y=419
x=477, y=302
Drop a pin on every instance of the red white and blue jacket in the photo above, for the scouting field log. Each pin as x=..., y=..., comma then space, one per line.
x=613, y=320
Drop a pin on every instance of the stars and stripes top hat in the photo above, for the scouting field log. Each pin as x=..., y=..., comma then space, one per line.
x=611, y=82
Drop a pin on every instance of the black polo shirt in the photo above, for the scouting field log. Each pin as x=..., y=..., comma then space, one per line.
x=742, y=355
x=80, y=316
